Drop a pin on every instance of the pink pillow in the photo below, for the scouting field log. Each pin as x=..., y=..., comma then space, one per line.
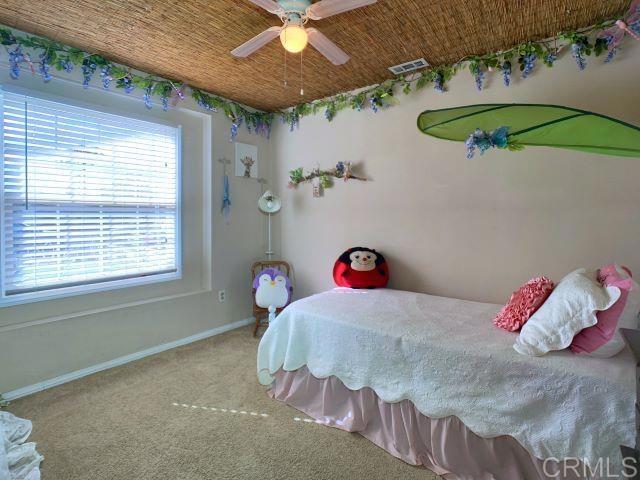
x=603, y=339
x=523, y=303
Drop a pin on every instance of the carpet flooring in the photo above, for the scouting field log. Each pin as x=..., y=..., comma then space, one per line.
x=145, y=420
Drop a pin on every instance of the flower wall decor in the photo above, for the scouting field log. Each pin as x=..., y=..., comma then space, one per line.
x=323, y=178
x=483, y=141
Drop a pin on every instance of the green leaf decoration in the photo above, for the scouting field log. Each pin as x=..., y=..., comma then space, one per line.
x=536, y=125
x=325, y=181
x=296, y=175
x=76, y=56
x=422, y=81
x=600, y=46
x=118, y=72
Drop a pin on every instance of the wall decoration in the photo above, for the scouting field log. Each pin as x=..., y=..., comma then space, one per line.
x=39, y=55
x=629, y=24
x=322, y=178
x=514, y=125
x=483, y=141
x=225, y=208
x=317, y=188
x=595, y=40
x=246, y=160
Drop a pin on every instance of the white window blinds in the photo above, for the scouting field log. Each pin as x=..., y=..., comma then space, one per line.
x=87, y=197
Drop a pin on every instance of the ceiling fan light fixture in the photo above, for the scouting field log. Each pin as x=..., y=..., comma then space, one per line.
x=294, y=38
x=294, y=14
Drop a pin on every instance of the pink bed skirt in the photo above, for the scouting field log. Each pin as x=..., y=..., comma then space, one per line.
x=444, y=445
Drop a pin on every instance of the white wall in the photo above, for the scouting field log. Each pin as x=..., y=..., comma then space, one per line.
x=473, y=229
x=39, y=341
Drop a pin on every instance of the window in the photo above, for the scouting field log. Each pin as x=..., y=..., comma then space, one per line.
x=89, y=200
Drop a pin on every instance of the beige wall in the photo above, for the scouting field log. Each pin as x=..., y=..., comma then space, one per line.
x=449, y=226
x=72, y=337
x=472, y=229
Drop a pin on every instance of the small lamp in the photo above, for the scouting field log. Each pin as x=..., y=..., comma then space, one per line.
x=269, y=203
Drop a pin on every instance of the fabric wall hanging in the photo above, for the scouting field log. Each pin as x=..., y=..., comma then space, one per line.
x=513, y=126
x=225, y=208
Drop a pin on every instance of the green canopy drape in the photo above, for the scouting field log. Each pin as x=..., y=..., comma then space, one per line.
x=541, y=125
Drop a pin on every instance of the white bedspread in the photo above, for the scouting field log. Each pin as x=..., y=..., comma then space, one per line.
x=446, y=356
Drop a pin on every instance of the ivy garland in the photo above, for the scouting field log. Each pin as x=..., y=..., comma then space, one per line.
x=64, y=58
x=594, y=40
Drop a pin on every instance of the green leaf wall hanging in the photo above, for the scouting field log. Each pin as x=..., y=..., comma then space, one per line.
x=533, y=124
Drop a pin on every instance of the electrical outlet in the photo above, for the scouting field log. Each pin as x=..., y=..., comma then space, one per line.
x=222, y=296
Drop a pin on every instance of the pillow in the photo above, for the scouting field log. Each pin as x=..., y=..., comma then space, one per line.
x=361, y=267
x=570, y=308
x=604, y=339
x=272, y=288
x=523, y=303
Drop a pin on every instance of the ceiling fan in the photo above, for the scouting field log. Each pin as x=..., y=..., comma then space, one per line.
x=293, y=34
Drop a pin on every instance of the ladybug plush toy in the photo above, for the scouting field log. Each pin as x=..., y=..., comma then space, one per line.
x=361, y=267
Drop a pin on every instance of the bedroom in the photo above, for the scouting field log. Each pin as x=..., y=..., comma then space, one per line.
x=133, y=355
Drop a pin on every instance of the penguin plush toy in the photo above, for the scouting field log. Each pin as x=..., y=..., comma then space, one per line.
x=361, y=267
x=272, y=288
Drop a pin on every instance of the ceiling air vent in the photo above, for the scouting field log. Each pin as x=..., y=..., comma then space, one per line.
x=409, y=66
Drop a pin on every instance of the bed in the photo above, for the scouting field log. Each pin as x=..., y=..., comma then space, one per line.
x=433, y=382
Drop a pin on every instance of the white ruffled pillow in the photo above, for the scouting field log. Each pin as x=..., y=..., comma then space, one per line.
x=570, y=308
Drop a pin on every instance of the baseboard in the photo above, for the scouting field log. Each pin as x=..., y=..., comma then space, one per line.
x=68, y=377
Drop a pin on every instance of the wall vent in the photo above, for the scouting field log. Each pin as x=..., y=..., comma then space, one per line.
x=409, y=66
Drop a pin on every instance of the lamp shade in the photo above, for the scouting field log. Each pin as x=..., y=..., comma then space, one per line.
x=269, y=202
x=294, y=38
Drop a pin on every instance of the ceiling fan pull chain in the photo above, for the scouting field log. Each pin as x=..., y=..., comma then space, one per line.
x=301, y=78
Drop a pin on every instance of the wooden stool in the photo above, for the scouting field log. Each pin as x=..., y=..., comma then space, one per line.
x=257, y=267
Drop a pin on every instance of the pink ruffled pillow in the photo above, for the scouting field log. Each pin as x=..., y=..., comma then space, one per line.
x=523, y=303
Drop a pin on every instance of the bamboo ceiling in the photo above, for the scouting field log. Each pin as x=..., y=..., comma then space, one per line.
x=190, y=40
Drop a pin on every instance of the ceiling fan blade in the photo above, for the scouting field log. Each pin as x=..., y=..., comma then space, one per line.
x=256, y=42
x=269, y=5
x=327, y=8
x=326, y=47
